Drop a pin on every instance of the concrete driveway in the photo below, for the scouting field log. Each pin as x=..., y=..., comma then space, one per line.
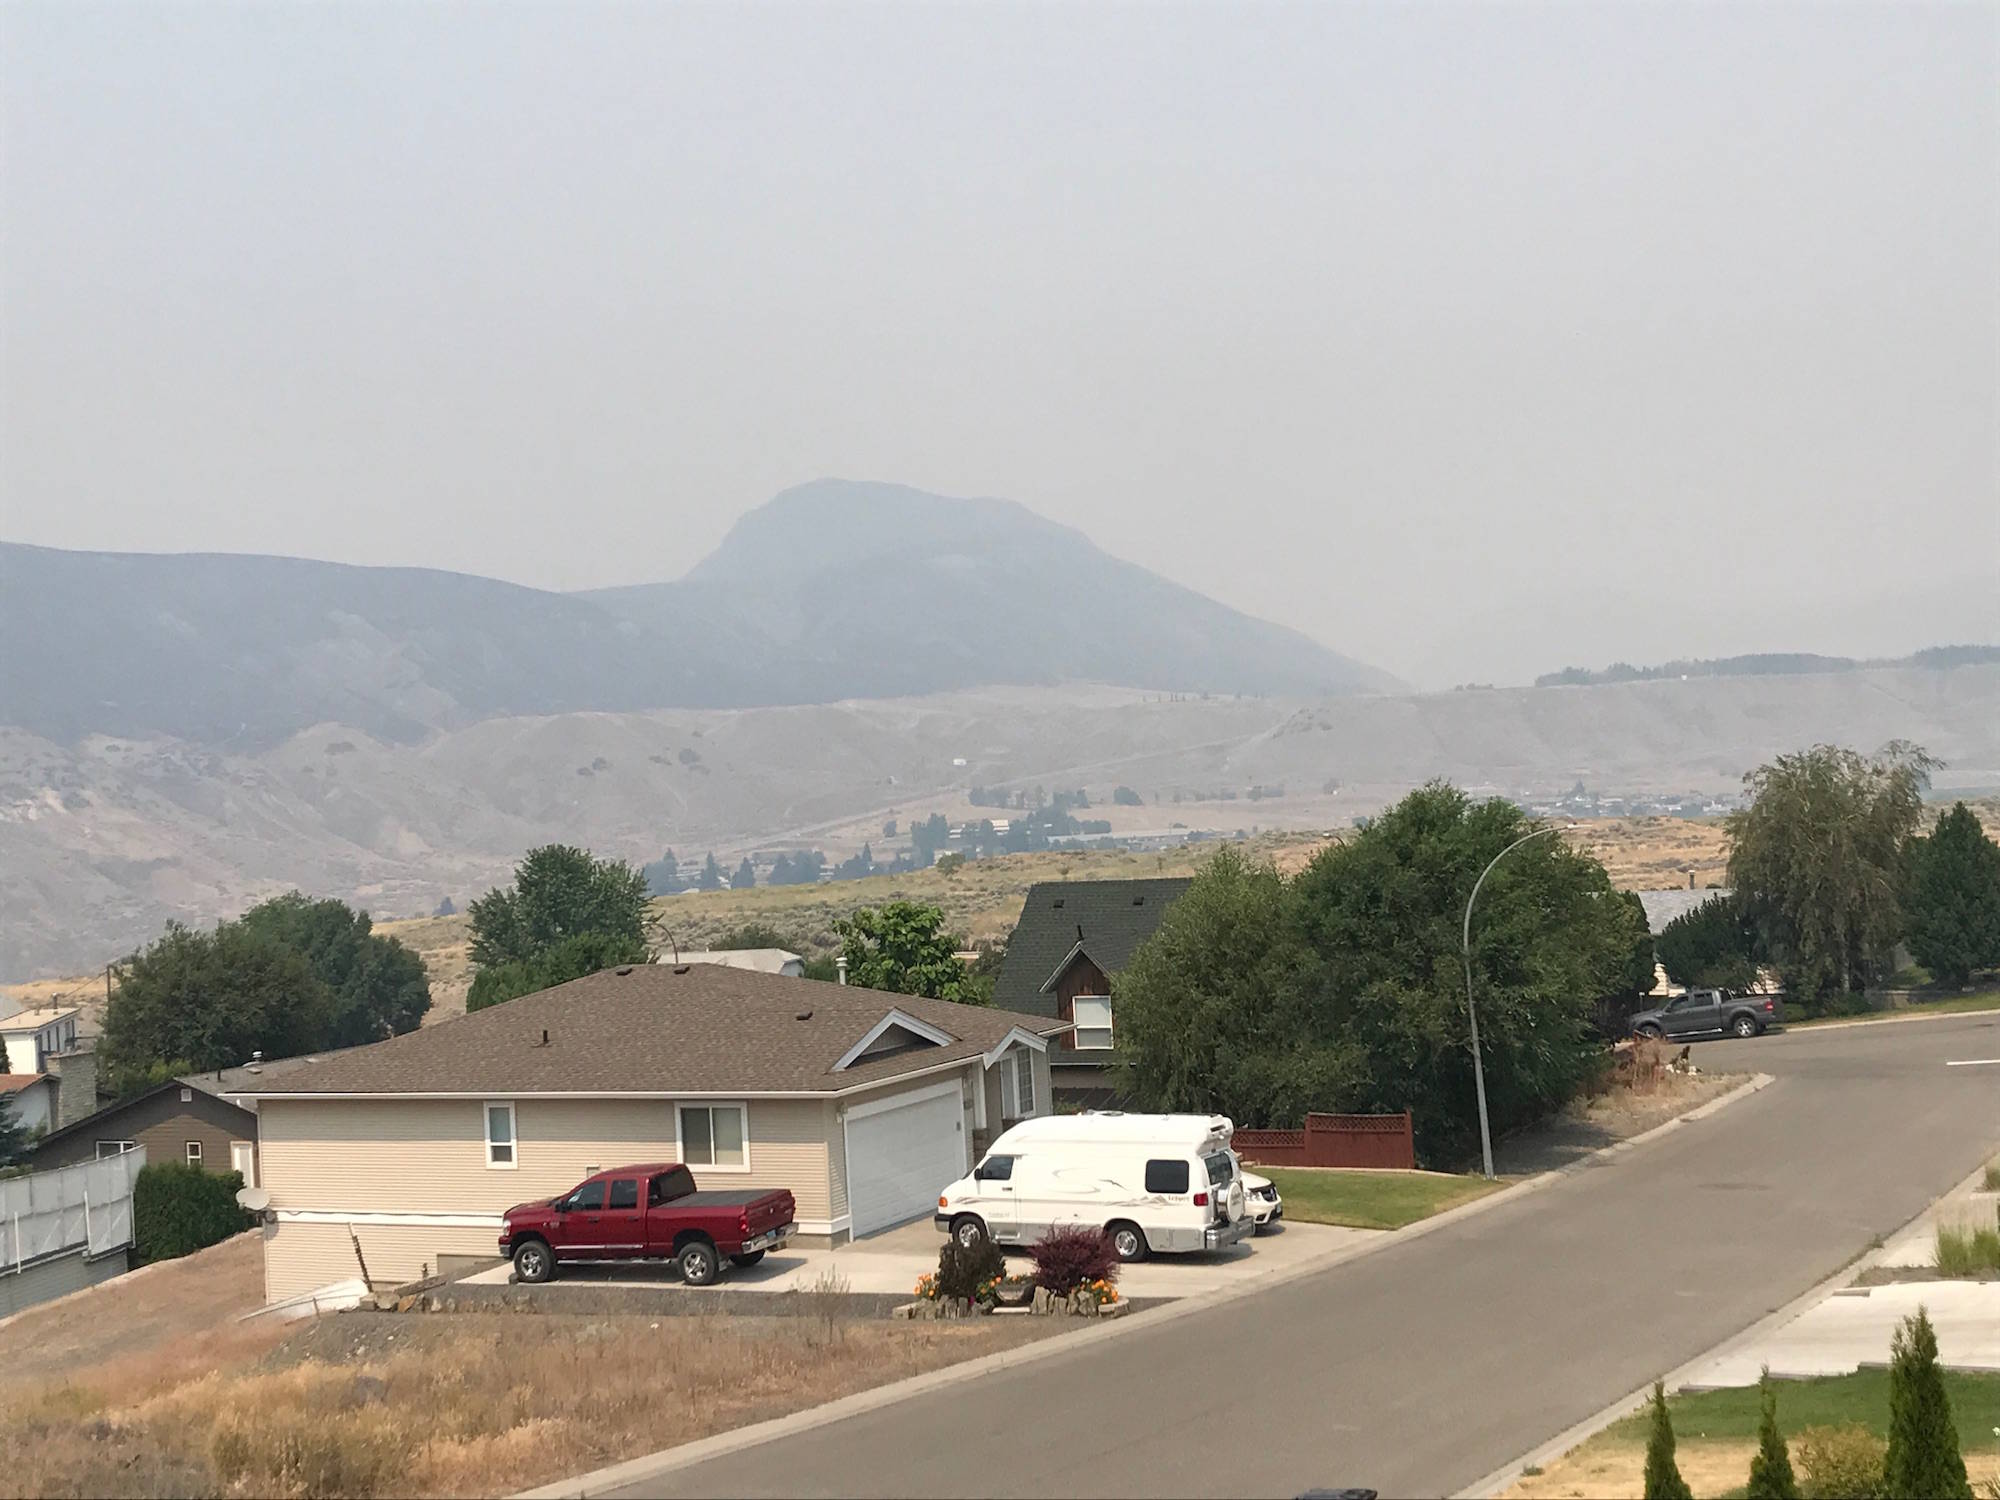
x=892, y=1261
x=1420, y=1370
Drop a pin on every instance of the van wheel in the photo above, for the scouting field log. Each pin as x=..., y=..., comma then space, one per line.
x=746, y=1261
x=697, y=1263
x=533, y=1262
x=1128, y=1242
x=969, y=1230
x=1744, y=1026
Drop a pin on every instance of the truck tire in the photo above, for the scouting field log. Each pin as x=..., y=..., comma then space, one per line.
x=1128, y=1241
x=969, y=1230
x=747, y=1261
x=533, y=1261
x=1649, y=1031
x=697, y=1262
x=1744, y=1024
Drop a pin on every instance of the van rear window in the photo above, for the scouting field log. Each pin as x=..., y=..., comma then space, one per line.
x=1220, y=1168
x=1166, y=1176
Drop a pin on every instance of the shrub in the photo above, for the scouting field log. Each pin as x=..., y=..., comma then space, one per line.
x=1923, y=1457
x=178, y=1209
x=1073, y=1255
x=1663, y=1475
x=1993, y=1177
x=1840, y=1463
x=961, y=1272
x=1771, y=1476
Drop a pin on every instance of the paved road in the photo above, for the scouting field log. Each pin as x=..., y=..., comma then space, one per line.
x=1417, y=1370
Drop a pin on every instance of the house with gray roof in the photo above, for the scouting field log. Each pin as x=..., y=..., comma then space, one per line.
x=1073, y=936
x=402, y=1155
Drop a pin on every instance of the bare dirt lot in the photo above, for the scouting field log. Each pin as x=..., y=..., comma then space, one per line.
x=150, y=1386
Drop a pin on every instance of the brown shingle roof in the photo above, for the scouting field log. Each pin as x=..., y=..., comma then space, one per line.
x=655, y=1028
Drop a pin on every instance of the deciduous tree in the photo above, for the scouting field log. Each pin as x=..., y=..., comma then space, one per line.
x=902, y=947
x=208, y=1000
x=378, y=986
x=1713, y=945
x=558, y=893
x=572, y=958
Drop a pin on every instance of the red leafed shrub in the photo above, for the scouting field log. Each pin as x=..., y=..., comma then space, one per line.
x=1073, y=1255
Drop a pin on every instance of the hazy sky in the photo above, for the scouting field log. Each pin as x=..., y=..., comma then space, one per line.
x=1472, y=341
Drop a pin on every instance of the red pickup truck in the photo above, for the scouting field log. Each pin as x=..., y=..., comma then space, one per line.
x=649, y=1212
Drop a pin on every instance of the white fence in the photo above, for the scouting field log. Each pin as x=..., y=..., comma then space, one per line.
x=85, y=1207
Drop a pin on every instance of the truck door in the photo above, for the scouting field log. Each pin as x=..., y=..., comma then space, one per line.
x=582, y=1227
x=624, y=1220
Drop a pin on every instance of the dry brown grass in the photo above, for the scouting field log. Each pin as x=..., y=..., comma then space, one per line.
x=1604, y=1470
x=138, y=1400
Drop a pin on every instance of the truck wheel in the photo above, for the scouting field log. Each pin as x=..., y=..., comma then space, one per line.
x=1744, y=1026
x=746, y=1261
x=969, y=1230
x=1649, y=1031
x=1128, y=1242
x=533, y=1262
x=697, y=1262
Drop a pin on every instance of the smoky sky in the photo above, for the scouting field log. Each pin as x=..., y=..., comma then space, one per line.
x=1472, y=341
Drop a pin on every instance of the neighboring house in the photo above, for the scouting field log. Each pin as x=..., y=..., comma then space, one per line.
x=404, y=1154
x=1073, y=936
x=758, y=960
x=30, y=1097
x=182, y=1120
x=32, y=1037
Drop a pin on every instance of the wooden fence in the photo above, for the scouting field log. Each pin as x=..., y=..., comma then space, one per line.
x=1334, y=1141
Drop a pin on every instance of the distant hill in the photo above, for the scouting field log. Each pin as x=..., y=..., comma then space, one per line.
x=830, y=591
x=877, y=590
x=1770, y=664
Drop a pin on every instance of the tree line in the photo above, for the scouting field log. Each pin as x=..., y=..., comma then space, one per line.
x=1830, y=873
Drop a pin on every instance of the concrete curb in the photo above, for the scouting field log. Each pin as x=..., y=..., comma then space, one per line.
x=1503, y=1477
x=1814, y=1027
x=686, y=1455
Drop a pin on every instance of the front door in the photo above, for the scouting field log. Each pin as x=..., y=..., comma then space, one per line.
x=580, y=1235
x=997, y=1205
x=1694, y=1014
x=624, y=1220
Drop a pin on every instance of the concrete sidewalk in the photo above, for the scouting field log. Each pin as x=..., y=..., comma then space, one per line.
x=1853, y=1327
x=892, y=1262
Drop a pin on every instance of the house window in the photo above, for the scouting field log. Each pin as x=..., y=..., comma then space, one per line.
x=113, y=1148
x=500, y=1135
x=1092, y=1014
x=1024, y=1086
x=714, y=1135
x=187, y=1096
x=193, y=1149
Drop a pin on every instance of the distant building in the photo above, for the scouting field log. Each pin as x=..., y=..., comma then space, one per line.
x=34, y=1036
x=758, y=960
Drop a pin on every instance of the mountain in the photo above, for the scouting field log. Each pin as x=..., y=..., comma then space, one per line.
x=830, y=591
x=876, y=590
x=1769, y=664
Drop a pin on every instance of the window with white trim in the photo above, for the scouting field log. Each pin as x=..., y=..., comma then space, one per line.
x=113, y=1148
x=1024, y=1086
x=500, y=1140
x=715, y=1135
x=193, y=1149
x=1092, y=1014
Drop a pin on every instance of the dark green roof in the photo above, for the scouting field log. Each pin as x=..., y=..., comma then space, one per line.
x=1109, y=918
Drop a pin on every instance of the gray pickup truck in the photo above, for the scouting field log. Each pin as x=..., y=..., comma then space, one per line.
x=1711, y=1013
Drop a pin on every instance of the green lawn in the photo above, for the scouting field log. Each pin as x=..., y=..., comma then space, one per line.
x=1956, y=1005
x=1861, y=1397
x=1370, y=1200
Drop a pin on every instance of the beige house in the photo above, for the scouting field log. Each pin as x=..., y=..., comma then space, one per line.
x=402, y=1156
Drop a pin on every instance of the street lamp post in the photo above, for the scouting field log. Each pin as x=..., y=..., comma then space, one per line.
x=1471, y=1011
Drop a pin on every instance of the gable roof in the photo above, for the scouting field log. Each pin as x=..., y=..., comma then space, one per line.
x=97, y=1118
x=1104, y=920
x=14, y=1083
x=658, y=1029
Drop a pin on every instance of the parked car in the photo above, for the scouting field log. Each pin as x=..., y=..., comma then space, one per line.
x=1260, y=1198
x=648, y=1212
x=1711, y=1013
x=1152, y=1182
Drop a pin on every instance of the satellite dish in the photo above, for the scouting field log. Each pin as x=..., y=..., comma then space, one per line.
x=254, y=1199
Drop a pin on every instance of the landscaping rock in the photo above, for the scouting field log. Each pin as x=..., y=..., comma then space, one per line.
x=1043, y=1302
x=404, y=1304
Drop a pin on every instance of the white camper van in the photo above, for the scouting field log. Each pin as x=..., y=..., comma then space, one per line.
x=1153, y=1182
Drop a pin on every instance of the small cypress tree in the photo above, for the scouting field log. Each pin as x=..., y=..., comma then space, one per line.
x=1923, y=1461
x=1663, y=1476
x=1771, y=1470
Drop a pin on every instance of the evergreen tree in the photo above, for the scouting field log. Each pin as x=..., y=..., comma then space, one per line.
x=1923, y=1461
x=745, y=876
x=1663, y=1476
x=711, y=875
x=15, y=1138
x=1771, y=1470
x=1955, y=898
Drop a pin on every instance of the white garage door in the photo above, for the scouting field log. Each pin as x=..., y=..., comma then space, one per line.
x=899, y=1159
